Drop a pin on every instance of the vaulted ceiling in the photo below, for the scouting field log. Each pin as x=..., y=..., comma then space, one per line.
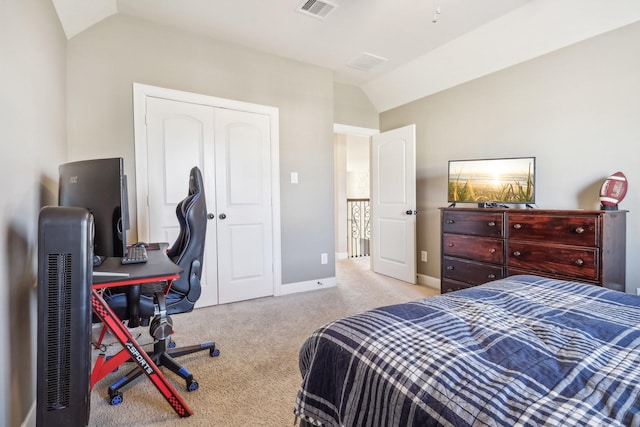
x=395, y=50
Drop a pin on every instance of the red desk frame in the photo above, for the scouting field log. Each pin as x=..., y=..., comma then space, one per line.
x=131, y=349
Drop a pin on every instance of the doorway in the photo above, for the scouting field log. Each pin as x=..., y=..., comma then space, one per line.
x=352, y=164
x=392, y=178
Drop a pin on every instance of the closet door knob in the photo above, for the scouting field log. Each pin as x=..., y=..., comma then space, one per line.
x=222, y=216
x=210, y=216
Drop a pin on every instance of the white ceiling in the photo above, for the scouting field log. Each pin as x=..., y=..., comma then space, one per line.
x=471, y=38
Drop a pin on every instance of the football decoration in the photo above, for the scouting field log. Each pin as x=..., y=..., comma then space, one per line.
x=613, y=190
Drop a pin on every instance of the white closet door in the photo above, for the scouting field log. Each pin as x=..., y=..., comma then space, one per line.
x=233, y=150
x=243, y=190
x=180, y=136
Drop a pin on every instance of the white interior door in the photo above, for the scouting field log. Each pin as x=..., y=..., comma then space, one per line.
x=393, y=203
x=243, y=191
x=232, y=149
x=180, y=135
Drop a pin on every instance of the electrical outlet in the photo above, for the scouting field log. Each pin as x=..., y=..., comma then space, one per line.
x=324, y=259
x=423, y=256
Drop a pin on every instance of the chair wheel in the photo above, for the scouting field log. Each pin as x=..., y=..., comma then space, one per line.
x=214, y=352
x=192, y=386
x=115, y=398
x=172, y=344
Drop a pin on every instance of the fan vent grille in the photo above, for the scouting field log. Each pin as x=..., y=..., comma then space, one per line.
x=366, y=61
x=316, y=8
x=58, y=333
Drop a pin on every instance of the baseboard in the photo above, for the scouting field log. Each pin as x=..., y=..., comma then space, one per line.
x=308, y=285
x=30, y=420
x=429, y=281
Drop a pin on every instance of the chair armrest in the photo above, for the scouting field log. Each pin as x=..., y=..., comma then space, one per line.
x=194, y=280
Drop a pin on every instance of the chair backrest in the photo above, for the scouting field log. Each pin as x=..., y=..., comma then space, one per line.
x=188, y=249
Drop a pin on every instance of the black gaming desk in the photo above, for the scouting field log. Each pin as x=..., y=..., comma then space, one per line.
x=158, y=269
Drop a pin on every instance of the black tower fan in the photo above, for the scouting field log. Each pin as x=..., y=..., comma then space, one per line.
x=64, y=316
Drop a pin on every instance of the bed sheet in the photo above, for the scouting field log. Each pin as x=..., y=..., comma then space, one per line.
x=524, y=350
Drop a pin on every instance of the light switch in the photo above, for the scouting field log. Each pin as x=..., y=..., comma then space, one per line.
x=294, y=177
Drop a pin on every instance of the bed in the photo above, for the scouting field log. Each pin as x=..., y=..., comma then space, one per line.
x=524, y=350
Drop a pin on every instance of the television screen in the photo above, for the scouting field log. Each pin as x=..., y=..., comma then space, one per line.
x=492, y=181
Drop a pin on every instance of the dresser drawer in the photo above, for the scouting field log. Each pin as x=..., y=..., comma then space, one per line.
x=570, y=230
x=451, y=285
x=471, y=272
x=518, y=271
x=472, y=247
x=489, y=224
x=578, y=262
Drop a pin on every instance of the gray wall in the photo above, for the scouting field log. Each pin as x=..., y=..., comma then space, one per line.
x=104, y=62
x=33, y=140
x=351, y=106
x=577, y=110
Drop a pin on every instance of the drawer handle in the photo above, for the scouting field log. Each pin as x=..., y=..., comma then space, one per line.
x=450, y=267
x=579, y=230
x=517, y=226
x=579, y=262
x=491, y=224
x=450, y=245
x=449, y=221
x=492, y=251
x=516, y=253
x=491, y=276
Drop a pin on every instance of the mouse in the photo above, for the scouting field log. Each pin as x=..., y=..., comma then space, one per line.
x=97, y=260
x=139, y=245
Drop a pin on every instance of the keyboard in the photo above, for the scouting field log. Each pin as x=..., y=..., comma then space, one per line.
x=135, y=255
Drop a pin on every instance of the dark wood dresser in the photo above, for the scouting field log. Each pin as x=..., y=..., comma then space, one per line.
x=484, y=244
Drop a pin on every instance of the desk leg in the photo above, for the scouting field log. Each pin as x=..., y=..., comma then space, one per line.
x=106, y=315
x=104, y=366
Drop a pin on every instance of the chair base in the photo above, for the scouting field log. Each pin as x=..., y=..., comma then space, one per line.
x=164, y=355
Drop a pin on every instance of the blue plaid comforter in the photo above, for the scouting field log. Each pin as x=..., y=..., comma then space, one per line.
x=523, y=351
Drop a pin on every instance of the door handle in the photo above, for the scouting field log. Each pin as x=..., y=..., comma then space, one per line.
x=210, y=216
x=410, y=212
x=222, y=216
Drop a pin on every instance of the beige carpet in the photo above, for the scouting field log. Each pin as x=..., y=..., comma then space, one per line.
x=255, y=379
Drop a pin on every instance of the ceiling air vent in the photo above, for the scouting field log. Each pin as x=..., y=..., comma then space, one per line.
x=366, y=61
x=316, y=8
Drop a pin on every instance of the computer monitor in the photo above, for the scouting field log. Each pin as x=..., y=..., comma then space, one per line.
x=99, y=185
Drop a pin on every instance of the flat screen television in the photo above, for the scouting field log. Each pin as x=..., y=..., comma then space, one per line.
x=492, y=182
x=99, y=185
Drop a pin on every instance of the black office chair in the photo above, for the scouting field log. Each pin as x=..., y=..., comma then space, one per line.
x=144, y=302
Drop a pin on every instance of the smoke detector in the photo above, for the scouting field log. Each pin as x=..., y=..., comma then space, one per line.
x=316, y=8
